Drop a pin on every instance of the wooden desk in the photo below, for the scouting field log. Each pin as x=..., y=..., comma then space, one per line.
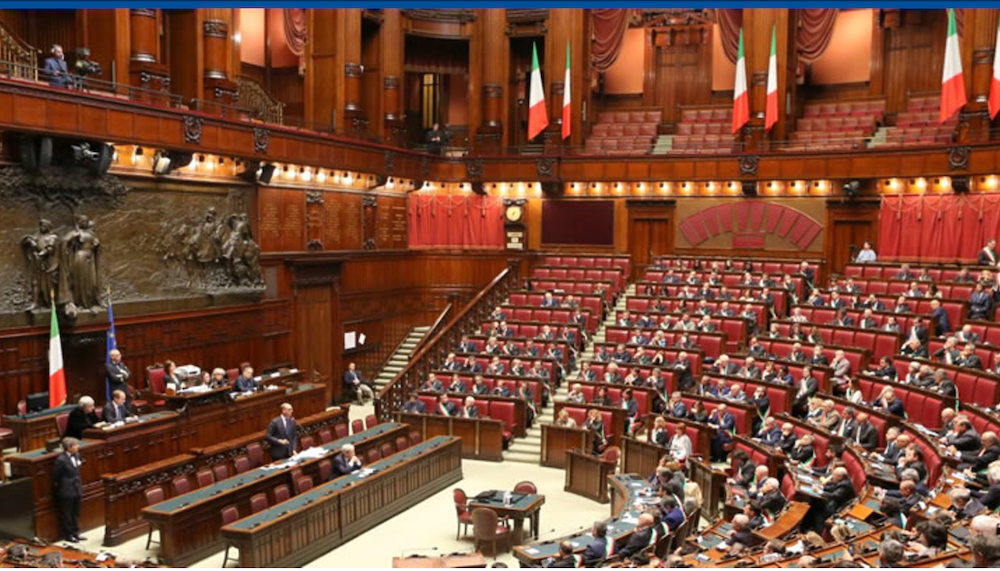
x=125, y=492
x=447, y=562
x=787, y=522
x=33, y=430
x=587, y=475
x=220, y=396
x=627, y=490
x=640, y=456
x=556, y=440
x=189, y=524
x=134, y=445
x=712, y=484
x=613, y=433
x=309, y=525
x=529, y=507
x=520, y=427
x=482, y=438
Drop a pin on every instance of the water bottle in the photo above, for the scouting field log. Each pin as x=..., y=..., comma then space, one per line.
x=506, y=499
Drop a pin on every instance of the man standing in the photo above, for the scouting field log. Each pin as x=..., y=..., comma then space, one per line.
x=118, y=373
x=55, y=68
x=355, y=386
x=69, y=490
x=987, y=256
x=283, y=434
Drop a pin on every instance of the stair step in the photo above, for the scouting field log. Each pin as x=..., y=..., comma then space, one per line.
x=522, y=457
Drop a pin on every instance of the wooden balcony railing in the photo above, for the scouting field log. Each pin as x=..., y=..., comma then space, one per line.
x=434, y=351
x=23, y=58
x=259, y=102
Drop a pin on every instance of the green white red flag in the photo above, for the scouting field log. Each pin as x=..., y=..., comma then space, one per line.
x=952, y=80
x=741, y=100
x=538, y=117
x=771, y=112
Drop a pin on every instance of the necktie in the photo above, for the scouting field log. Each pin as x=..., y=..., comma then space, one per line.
x=119, y=412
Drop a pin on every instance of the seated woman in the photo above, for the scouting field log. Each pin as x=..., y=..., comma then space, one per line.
x=564, y=419
x=595, y=424
x=658, y=434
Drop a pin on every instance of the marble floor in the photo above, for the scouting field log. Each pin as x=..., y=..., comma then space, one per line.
x=429, y=527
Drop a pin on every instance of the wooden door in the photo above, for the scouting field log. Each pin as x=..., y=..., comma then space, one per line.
x=315, y=314
x=650, y=233
x=846, y=238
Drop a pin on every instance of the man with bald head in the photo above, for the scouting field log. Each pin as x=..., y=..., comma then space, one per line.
x=963, y=505
x=838, y=491
x=866, y=434
x=640, y=538
x=770, y=500
x=988, y=454
x=283, y=434
x=739, y=536
x=984, y=525
x=118, y=375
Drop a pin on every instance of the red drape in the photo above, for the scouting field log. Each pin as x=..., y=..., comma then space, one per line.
x=815, y=30
x=295, y=30
x=456, y=221
x=937, y=228
x=610, y=25
x=730, y=22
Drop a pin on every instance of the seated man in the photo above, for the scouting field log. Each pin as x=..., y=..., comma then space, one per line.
x=117, y=409
x=81, y=418
x=354, y=385
x=346, y=462
x=741, y=535
x=414, y=405
x=245, y=383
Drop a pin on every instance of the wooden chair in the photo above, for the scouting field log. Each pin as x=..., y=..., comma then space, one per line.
x=306, y=442
x=373, y=456
x=181, y=485
x=221, y=472
x=258, y=503
x=525, y=487
x=229, y=515
x=154, y=495
x=325, y=436
x=402, y=443
x=415, y=438
x=370, y=421
x=462, y=511
x=610, y=457
x=325, y=470
x=62, y=421
x=255, y=452
x=303, y=484
x=357, y=426
x=340, y=429
x=486, y=528
x=386, y=450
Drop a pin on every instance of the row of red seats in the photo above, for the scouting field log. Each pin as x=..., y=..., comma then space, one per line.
x=497, y=410
x=624, y=145
x=629, y=117
x=492, y=381
x=829, y=142
x=534, y=299
x=730, y=279
x=821, y=374
x=624, y=130
x=546, y=315
x=704, y=129
x=879, y=286
x=707, y=115
x=674, y=298
x=925, y=119
x=878, y=343
x=769, y=266
x=711, y=344
x=708, y=144
x=920, y=124
x=479, y=341
x=889, y=271
x=587, y=261
x=826, y=316
x=643, y=396
x=864, y=124
x=695, y=356
x=874, y=108
x=924, y=103
x=911, y=136
x=957, y=310
x=735, y=328
x=597, y=274
x=780, y=395
x=576, y=287
x=483, y=361
x=974, y=386
x=857, y=357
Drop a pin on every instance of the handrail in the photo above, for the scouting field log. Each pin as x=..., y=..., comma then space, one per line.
x=253, y=96
x=434, y=327
x=16, y=50
x=394, y=394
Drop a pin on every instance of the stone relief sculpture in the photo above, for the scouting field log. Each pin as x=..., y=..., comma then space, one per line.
x=42, y=253
x=81, y=253
x=217, y=250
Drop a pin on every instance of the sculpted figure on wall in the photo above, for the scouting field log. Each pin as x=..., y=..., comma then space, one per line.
x=64, y=270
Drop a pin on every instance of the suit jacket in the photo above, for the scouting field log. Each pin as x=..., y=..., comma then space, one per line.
x=118, y=374
x=114, y=413
x=56, y=72
x=896, y=408
x=415, y=406
x=66, y=476
x=244, y=384
x=986, y=256
x=972, y=362
x=867, y=436
x=470, y=411
x=450, y=406
x=891, y=453
x=636, y=542
x=674, y=518
x=831, y=421
x=985, y=457
x=341, y=467
x=597, y=550
x=772, y=502
x=838, y=494
x=80, y=421
x=940, y=318
x=349, y=378
x=276, y=431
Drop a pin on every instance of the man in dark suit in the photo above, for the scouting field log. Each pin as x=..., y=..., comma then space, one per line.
x=445, y=407
x=988, y=454
x=283, y=434
x=969, y=358
x=988, y=255
x=725, y=425
x=601, y=548
x=939, y=319
x=470, y=410
x=640, y=538
x=770, y=500
x=245, y=383
x=118, y=373
x=980, y=303
x=741, y=534
x=866, y=434
x=414, y=405
x=117, y=409
x=838, y=491
x=55, y=68
x=346, y=462
x=567, y=559
x=919, y=331
x=81, y=418
x=355, y=385
x=69, y=490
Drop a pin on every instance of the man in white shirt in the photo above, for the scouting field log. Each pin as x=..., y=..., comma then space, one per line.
x=866, y=255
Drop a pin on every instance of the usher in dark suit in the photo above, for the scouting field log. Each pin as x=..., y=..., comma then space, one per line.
x=69, y=491
x=282, y=429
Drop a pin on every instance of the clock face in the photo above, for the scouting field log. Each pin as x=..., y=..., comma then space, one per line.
x=514, y=213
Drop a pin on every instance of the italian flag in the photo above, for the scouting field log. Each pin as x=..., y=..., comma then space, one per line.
x=995, y=83
x=57, y=377
x=952, y=81
x=741, y=101
x=538, y=118
x=567, y=98
x=771, y=113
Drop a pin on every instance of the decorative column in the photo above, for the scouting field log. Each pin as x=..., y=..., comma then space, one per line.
x=393, y=44
x=354, y=115
x=145, y=71
x=323, y=95
x=219, y=86
x=496, y=65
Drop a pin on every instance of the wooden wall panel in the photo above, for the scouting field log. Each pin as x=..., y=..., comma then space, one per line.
x=914, y=54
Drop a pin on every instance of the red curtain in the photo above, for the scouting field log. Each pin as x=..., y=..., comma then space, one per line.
x=610, y=25
x=937, y=228
x=295, y=30
x=456, y=221
x=815, y=30
x=730, y=22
